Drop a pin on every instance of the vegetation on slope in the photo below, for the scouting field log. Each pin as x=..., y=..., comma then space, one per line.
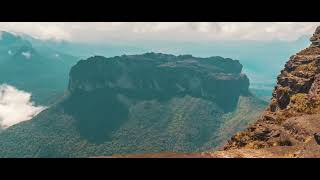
x=137, y=104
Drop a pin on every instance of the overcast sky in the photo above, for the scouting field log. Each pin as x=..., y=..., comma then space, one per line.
x=177, y=31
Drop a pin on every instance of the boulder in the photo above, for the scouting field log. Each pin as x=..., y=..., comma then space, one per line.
x=315, y=39
x=317, y=137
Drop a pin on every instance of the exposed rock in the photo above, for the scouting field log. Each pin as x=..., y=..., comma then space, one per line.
x=315, y=39
x=286, y=122
x=297, y=138
x=315, y=88
x=290, y=126
x=159, y=75
x=317, y=137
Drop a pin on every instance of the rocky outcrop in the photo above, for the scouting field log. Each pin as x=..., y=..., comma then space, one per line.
x=296, y=136
x=128, y=82
x=289, y=127
x=161, y=76
x=291, y=119
x=315, y=39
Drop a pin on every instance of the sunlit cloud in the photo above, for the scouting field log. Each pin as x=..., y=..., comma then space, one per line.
x=16, y=106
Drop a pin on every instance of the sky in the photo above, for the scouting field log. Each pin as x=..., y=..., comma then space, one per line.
x=98, y=32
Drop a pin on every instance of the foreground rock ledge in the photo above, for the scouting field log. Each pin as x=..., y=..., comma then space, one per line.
x=305, y=126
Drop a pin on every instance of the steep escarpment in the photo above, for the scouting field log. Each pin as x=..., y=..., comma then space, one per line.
x=289, y=127
x=145, y=103
x=161, y=77
x=289, y=123
x=143, y=84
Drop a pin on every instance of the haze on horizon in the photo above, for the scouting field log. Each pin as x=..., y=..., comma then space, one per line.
x=256, y=44
x=100, y=32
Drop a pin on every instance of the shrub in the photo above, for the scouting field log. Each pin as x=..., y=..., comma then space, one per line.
x=307, y=67
x=302, y=103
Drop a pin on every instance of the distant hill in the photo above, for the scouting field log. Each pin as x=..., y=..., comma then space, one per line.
x=139, y=104
x=41, y=71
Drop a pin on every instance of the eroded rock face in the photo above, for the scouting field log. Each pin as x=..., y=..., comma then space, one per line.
x=296, y=94
x=96, y=85
x=161, y=76
x=315, y=39
x=290, y=126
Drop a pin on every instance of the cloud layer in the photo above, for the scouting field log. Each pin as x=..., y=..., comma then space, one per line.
x=16, y=106
x=179, y=31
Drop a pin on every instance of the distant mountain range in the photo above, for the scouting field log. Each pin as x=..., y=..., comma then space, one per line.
x=137, y=104
x=37, y=69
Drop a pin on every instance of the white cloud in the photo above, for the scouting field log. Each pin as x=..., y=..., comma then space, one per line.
x=179, y=31
x=26, y=54
x=16, y=106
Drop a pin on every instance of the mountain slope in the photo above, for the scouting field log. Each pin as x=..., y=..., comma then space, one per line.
x=43, y=72
x=296, y=94
x=289, y=126
x=137, y=104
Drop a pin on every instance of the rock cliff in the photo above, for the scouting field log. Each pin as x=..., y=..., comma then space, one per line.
x=145, y=103
x=288, y=125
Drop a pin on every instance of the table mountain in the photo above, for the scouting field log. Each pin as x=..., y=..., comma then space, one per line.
x=139, y=104
x=289, y=127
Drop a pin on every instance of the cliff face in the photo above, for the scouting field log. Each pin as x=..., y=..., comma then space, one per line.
x=162, y=88
x=145, y=103
x=288, y=125
x=161, y=77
